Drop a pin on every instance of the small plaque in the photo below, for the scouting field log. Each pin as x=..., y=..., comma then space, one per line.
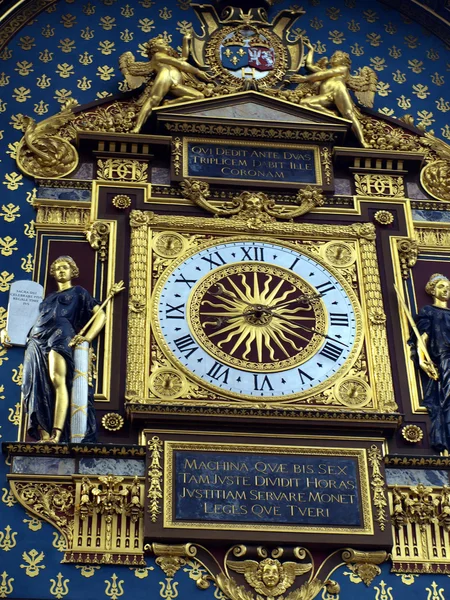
x=238, y=161
x=23, y=309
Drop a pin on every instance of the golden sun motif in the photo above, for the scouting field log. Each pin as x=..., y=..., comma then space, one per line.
x=257, y=317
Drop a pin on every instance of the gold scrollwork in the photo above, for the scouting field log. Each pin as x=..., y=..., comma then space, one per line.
x=44, y=153
x=122, y=169
x=408, y=251
x=381, y=186
x=378, y=486
x=254, y=208
x=98, y=237
x=53, y=502
x=155, y=473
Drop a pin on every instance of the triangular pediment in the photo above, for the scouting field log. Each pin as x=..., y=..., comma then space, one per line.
x=249, y=107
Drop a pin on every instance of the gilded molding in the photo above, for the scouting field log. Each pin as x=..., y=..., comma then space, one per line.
x=378, y=486
x=53, y=213
x=272, y=133
x=155, y=474
x=436, y=237
x=98, y=237
x=21, y=18
x=408, y=250
x=364, y=564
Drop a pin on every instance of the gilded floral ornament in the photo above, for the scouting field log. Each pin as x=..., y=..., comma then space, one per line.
x=42, y=152
x=121, y=201
x=412, y=433
x=254, y=208
x=384, y=217
x=364, y=564
x=112, y=421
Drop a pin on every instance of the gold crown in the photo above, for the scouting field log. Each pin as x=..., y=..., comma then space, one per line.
x=260, y=41
x=236, y=39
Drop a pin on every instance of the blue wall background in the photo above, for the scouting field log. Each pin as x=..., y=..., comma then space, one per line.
x=71, y=50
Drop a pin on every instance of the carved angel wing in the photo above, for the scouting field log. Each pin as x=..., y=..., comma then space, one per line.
x=364, y=84
x=307, y=591
x=292, y=570
x=248, y=567
x=135, y=73
x=230, y=588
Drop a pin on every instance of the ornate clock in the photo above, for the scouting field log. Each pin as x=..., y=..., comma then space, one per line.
x=255, y=316
x=257, y=319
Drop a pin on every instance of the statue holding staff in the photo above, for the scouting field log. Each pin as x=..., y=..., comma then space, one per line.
x=431, y=352
x=68, y=318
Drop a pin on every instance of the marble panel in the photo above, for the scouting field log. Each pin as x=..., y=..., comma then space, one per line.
x=85, y=171
x=40, y=465
x=112, y=466
x=160, y=176
x=54, y=193
x=415, y=192
x=255, y=112
x=415, y=476
x=343, y=186
x=441, y=216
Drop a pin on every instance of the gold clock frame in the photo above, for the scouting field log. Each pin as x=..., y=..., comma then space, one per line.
x=144, y=360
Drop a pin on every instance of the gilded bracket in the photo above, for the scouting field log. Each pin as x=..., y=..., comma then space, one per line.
x=408, y=250
x=98, y=237
x=364, y=564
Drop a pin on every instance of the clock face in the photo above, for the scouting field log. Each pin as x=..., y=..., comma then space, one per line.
x=257, y=319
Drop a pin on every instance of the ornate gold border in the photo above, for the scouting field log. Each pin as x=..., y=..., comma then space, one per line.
x=140, y=286
x=248, y=143
x=359, y=453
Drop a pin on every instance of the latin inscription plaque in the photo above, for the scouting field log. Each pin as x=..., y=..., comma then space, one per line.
x=250, y=162
x=269, y=488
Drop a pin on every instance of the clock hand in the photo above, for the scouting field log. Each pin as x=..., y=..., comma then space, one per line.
x=305, y=328
x=300, y=299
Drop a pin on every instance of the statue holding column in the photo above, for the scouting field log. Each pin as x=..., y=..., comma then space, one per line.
x=55, y=390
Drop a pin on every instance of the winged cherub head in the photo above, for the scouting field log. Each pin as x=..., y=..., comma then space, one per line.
x=270, y=572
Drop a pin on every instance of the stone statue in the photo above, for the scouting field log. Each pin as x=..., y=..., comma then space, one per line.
x=334, y=79
x=166, y=71
x=432, y=354
x=49, y=366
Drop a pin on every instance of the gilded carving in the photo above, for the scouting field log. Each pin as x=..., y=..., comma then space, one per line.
x=412, y=433
x=353, y=392
x=434, y=177
x=112, y=421
x=52, y=214
x=177, y=153
x=98, y=237
x=121, y=201
x=378, y=486
x=384, y=217
x=53, y=502
x=167, y=383
x=122, y=169
x=44, y=153
x=154, y=495
x=364, y=564
x=379, y=185
x=408, y=251
x=253, y=208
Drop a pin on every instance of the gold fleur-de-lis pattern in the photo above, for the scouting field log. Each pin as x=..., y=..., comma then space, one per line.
x=71, y=50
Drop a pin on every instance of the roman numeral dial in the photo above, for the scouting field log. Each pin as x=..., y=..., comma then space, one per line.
x=256, y=319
